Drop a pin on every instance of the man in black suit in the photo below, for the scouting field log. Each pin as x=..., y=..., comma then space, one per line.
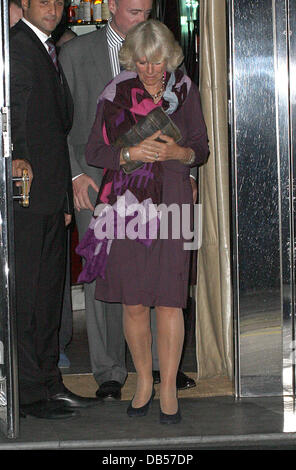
x=41, y=116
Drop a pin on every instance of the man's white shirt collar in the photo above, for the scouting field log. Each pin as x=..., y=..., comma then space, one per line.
x=113, y=37
x=42, y=36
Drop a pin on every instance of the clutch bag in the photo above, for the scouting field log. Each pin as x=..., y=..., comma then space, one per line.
x=156, y=120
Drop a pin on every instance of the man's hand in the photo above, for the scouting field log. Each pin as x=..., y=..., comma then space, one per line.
x=68, y=218
x=80, y=191
x=18, y=166
x=194, y=189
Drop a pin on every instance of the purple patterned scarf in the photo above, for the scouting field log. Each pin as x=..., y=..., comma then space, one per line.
x=125, y=101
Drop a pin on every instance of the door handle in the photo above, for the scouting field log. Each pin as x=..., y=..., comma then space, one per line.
x=23, y=189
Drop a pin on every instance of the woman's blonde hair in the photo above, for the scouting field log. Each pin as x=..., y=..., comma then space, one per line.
x=153, y=40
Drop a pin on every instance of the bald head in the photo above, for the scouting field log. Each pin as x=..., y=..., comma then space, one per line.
x=128, y=13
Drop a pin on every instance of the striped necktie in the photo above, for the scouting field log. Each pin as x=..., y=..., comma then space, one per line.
x=53, y=54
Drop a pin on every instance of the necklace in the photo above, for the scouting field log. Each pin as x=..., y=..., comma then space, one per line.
x=159, y=94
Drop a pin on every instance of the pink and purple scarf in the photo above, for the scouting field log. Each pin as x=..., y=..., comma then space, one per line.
x=125, y=101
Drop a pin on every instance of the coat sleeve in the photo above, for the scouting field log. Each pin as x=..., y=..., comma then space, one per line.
x=20, y=91
x=197, y=138
x=99, y=152
x=67, y=64
x=194, y=133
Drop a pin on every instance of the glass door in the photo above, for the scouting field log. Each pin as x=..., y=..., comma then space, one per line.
x=262, y=128
x=189, y=26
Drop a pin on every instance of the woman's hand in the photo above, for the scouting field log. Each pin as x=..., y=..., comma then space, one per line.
x=145, y=151
x=151, y=150
x=169, y=149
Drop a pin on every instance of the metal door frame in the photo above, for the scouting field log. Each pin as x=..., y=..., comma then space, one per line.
x=9, y=412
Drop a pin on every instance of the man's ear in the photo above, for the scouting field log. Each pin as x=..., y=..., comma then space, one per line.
x=25, y=4
x=112, y=6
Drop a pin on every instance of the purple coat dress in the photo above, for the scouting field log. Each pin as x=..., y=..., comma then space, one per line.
x=154, y=273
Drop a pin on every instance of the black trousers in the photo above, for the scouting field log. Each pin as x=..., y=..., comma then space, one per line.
x=40, y=256
x=66, y=324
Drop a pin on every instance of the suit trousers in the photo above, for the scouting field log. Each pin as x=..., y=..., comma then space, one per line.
x=66, y=323
x=104, y=325
x=40, y=244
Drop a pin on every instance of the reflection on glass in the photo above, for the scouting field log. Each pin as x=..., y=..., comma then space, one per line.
x=262, y=181
x=289, y=415
x=3, y=395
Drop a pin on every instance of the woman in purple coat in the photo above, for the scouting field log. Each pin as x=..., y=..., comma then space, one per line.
x=135, y=246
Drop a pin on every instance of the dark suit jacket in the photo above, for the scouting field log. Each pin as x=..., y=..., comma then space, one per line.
x=41, y=118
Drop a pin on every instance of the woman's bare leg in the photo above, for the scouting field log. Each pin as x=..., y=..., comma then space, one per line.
x=136, y=326
x=170, y=339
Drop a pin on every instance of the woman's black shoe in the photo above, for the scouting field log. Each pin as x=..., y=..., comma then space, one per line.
x=170, y=419
x=143, y=410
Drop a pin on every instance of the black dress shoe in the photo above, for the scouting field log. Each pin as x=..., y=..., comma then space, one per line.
x=47, y=410
x=170, y=419
x=182, y=381
x=156, y=376
x=22, y=413
x=71, y=400
x=142, y=410
x=109, y=391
